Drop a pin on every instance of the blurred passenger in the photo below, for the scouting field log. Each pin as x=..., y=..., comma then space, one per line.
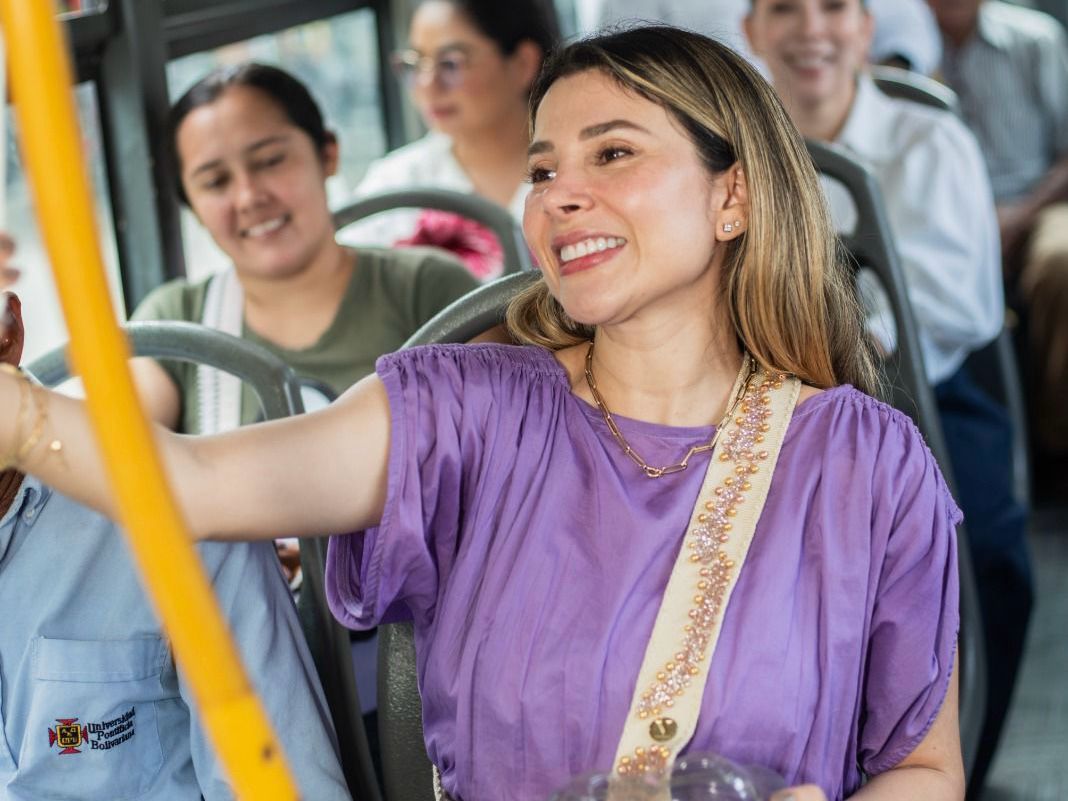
x=253, y=157
x=535, y=509
x=927, y=164
x=906, y=36
x=469, y=68
x=718, y=19
x=1009, y=65
x=91, y=704
x=941, y=212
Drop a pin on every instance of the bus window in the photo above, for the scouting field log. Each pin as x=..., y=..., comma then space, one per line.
x=80, y=8
x=45, y=327
x=338, y=60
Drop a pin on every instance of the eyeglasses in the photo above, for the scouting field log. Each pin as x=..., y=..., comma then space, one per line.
x=448, y=67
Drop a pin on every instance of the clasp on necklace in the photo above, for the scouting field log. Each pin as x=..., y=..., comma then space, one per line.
x=657, y=472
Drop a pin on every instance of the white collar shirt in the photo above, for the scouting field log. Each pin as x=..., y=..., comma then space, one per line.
x=941, y=214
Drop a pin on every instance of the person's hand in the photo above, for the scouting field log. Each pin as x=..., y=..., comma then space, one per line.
x=289, y=555
x=11, y=331
x=1015, y=221
x=804, y=792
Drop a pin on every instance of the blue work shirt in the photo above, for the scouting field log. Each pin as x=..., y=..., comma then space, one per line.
x=91, y=705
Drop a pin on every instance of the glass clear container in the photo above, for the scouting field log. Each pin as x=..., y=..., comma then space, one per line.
x=696, y=777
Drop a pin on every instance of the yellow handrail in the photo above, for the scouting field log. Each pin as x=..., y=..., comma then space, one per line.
x=51, y=147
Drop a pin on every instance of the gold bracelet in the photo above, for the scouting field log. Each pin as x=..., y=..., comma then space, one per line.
x=26, y=394
x=40, y=402
x=10, y=460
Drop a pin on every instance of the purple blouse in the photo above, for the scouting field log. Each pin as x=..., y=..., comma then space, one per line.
x=532, y=555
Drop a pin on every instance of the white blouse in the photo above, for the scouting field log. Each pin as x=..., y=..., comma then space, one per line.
x=425, y=163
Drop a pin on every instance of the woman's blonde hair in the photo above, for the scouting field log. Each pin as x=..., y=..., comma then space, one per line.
x=787, y=288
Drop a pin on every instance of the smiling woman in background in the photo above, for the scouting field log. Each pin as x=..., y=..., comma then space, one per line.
x=469, y=68
x=254, y=156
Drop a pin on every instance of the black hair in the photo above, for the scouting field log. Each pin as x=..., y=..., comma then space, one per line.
x=287, y=92
x=510, y=23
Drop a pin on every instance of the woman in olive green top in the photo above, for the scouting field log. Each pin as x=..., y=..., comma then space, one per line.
x=253, y=157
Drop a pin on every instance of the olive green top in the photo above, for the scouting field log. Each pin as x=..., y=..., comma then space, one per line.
x=390, y=295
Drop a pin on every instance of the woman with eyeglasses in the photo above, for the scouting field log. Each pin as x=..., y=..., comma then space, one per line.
x=469, y=68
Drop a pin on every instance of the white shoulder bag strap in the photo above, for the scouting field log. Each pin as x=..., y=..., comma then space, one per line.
x=667, y=698
x=219, y=393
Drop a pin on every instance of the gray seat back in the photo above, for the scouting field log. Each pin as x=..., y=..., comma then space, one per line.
x=993, y=366
x=277, y=389
x=406, y=770
x=870, y=245
x=918, y=88
x=495, y=218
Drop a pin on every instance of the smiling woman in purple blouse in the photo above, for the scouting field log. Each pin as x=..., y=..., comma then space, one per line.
x=531, y=507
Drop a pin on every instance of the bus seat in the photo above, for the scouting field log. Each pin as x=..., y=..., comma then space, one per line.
x=908, y=85
x=870, y=246
x=407, y=774
x=994, y=366
x=474, y=313
x=277, y=389
x=406, y=770
x=279, y=392
x=496, y=219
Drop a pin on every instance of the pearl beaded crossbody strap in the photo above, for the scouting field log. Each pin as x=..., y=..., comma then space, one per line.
x=671, y=684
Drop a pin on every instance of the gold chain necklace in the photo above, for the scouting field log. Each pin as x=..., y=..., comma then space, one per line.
x=745, y=375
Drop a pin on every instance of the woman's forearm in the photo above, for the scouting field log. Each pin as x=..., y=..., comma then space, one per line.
x=48, y=435
x=934, y=771
x=316, y=474
x=52, y=436
x=930, y=784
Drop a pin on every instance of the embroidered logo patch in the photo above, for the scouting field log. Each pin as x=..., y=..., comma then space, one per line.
x=70, y=736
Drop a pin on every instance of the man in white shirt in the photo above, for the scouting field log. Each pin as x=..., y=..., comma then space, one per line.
x=940, y=209
x=1009, y=65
